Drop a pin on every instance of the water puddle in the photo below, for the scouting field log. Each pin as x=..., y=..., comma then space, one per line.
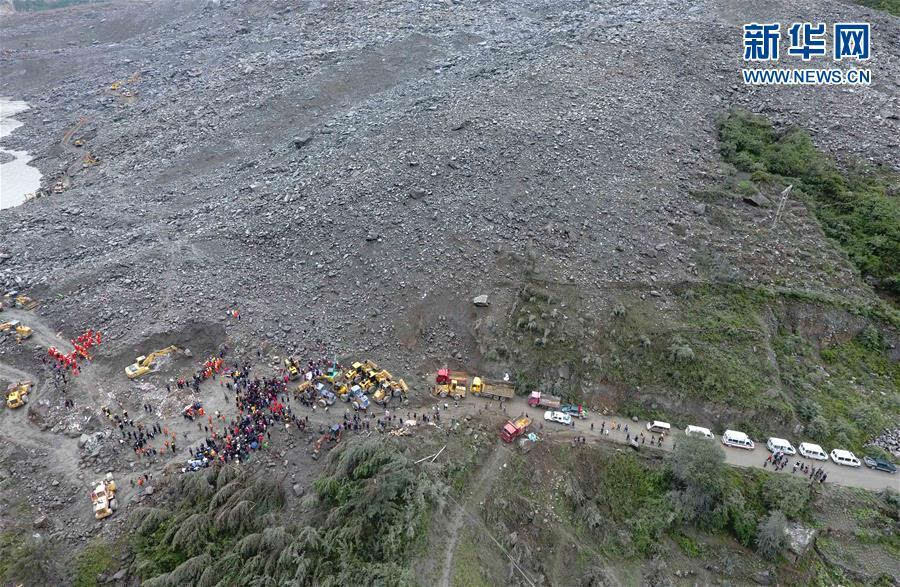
x=18, y=180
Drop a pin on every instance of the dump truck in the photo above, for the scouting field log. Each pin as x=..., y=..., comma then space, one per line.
x=15, y=394
x=451, y=384
x=492, y=389
x=145, y=363
x=546, y=401
x=104, y=497
x=515, y=428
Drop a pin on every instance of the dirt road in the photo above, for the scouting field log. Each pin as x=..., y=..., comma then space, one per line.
x=477, y=492
x=848, y=476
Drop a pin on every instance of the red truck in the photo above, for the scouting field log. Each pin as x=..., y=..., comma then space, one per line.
x=515, y=428
x=539, y=400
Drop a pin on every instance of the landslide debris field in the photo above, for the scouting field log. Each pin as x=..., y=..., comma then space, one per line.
x=341, y=180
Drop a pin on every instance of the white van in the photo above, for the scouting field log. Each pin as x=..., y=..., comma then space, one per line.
x=812, y=451
x=737, y=439
x=844, y=457
x=780, y=445
x=699, y=431
x=659, y=427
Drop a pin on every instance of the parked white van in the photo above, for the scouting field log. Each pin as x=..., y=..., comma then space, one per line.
x=659, y=427
x=780, y=444
x=844, y=457
x=812, y=451
x=737, y=439
x=699, y=431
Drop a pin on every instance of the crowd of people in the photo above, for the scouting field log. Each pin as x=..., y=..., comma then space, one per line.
x=779, y=460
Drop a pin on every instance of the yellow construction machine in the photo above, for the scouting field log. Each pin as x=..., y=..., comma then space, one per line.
x=22, y=331
x=291, y=366
x=15, y=394
x=144, y=364
x=450, y=383
x=103, y=497
x=17, y=300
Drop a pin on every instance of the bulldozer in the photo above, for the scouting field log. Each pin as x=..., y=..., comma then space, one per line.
x=22, y=331
x=15, y=394
x=104, y=497
x=145, y=363
x=14, y=299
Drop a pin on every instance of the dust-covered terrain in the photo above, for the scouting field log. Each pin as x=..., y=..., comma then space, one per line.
x=339, y=181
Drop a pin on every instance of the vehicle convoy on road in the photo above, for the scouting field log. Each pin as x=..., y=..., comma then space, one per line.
x=812, y=451
x=880, y=465
x=700, y=432
x=492, y=389
x=515, y=428
x=449, y=383
x=737, y=439
x=844, y=457
x=543, y=400
x=780, y=445
x=574, y=410
x=558, y=417
x=659, y=427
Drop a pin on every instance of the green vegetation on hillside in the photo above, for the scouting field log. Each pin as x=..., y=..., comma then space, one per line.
x=860, y=209
x=889, y=6
x=576, y=511
x=723, y=355
x=369, y=508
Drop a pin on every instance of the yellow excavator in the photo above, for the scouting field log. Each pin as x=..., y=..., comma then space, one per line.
x=22, y=331
x=145, y=363
x=15, y=394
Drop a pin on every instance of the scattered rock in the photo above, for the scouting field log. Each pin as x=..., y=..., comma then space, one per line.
x=302, y=140
x=758, y=200
x=481, y=301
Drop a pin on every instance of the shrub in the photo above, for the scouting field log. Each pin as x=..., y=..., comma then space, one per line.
x=818, y=428
x=698, y=467
x=771, y=536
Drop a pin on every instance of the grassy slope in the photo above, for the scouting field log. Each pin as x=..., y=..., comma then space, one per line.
x=860, y=208
x=889, y=6
x=604, y=514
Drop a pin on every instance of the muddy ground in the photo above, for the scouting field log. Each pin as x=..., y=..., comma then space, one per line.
x=349, y=176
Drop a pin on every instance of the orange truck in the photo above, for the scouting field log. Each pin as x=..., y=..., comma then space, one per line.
x=515, y=428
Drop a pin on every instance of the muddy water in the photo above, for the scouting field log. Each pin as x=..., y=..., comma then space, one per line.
x=17, y=178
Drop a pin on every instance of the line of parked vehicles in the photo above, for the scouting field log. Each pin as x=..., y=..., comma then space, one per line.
x=738, y=439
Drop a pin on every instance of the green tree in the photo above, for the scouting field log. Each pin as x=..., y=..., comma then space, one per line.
x=771, y=536
x=698, y=468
